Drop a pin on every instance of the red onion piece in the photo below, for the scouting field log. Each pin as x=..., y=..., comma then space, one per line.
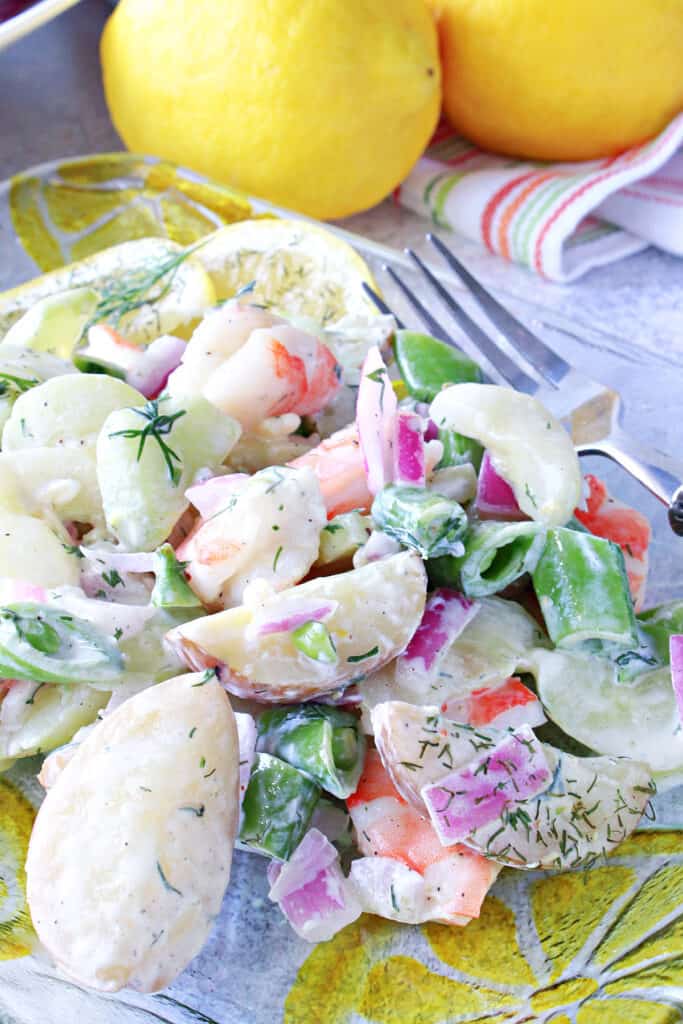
x=495, y=498
x=315, y=897
x=157, y=362
x=446, y=614
x=211, y=496
x=409, y=450
x=375, y=415
x=283, y=617
x=515, y=770
x=431, y=431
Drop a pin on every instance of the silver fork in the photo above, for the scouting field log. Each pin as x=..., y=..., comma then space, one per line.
x=591, y=410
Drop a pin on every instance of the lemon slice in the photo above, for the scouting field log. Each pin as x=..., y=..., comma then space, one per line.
x=123, y=275
x=299, y=269
x=54, y=324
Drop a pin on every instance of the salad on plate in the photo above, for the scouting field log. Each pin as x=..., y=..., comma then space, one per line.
x=305, y=586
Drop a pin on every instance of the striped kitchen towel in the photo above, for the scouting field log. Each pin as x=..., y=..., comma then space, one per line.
x=558, y=219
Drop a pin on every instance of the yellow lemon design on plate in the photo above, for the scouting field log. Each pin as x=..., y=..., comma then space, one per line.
x=163, y=213
x=16, y=821
x=600, y=946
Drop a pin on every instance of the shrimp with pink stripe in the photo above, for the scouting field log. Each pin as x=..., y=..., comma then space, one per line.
x=254, y=365
x=405, y=873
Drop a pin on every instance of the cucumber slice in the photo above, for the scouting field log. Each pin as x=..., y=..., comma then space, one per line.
x=66, y=411
x=147, y=457
x=51, y=646
x=637, y=719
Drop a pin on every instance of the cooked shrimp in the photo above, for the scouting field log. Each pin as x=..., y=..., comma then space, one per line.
x=268, y=528
x=339, y=466
x=220, y=334
x=277, y=370
x=606, y=517
x=340, y=469
x=456, y=879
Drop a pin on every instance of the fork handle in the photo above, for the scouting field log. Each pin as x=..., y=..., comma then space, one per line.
x=662, y=475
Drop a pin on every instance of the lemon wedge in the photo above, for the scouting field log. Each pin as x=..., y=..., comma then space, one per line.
x=177, y=289
x=299, y=269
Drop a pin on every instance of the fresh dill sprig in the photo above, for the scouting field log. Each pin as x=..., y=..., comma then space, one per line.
x=158, y=425
x=132, y=291
x=11, y=385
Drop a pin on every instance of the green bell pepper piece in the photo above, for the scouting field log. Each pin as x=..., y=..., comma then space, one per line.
x=427, y=364
x=171, y=589
x=581, y=585
x=458, y=449
x=324, y=741
x=426, y=521
x=50, y=646
x=659, y=624
x=90, y=364
x=497, y=554
x=314, y=640
x=341, y=538
x=277, y=807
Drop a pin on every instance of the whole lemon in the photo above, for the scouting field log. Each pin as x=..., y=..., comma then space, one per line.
x=319, y=105
x=561, y=79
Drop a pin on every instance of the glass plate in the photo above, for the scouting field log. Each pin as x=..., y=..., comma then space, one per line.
x=602, y=946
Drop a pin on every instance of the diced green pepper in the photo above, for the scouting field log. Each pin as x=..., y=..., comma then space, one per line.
x=171, y=589
x=324, y=741
x=277, y=807
x=427, y=364
x=313, y=639
x=340, y=540
x=581, y=584
x=458, y=449
x=443, y=572
x=48, y=645
x=426, y=521
x=497, y=554
x=90, y=364
x=660, y=623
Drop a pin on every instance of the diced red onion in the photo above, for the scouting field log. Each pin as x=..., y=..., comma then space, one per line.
x=315, y=897
x=375, y=415
x=285, y=616
x=446, y=614
x=212, y=496
x=516, y=769
x=409, y=450
x=157, y=362
x=431, y=431
x=676, y=653
x=495, y=498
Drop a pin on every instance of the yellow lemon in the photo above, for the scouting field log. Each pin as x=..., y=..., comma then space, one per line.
x=561, y=80
x=320, y=106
